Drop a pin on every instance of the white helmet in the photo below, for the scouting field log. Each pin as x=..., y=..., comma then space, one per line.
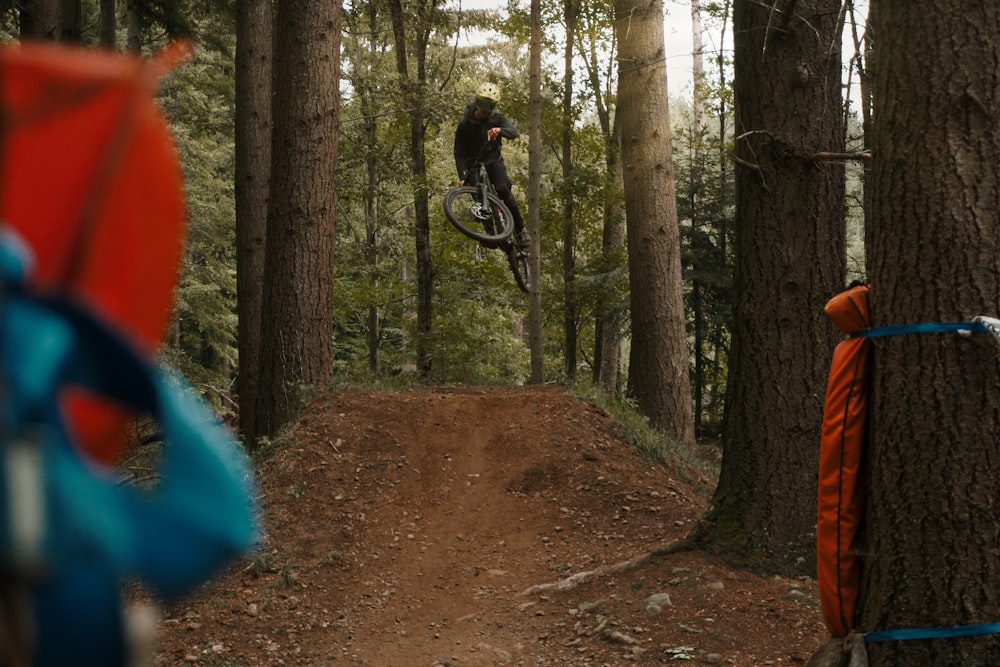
x=487, y=95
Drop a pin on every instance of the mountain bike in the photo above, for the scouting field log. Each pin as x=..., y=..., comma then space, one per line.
x=476, y=210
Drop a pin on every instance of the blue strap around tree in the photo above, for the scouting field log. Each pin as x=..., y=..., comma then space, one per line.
x=932, y=633
x=923, y=328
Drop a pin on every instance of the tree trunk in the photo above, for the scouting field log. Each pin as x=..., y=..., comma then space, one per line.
x=366, y=96
x=53, y=20
x=568, y=192
x=658, y=363
x=535, y=339
x=720, y=348
x=40, y=19
x=109, y=24
x=254, y=27
x=412, y=94
x=697, y=70
x=864, y=70
x=70, y=21
x=373, y=333
x=699, y=132
x=133, y=40
x=698, y=346
x=790, y=258
x=933, y=553
x=297, y=322
x=611, y=320
x=611, y=315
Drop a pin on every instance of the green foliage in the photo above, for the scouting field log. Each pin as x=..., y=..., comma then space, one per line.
x=653, y=443
x=477, y=309
x=374, y=226
x=9, y=26
x=173, y=19
x=478, y=314
x=199, y=100
x=600, y=284
x=478, y=317
x=705, y=211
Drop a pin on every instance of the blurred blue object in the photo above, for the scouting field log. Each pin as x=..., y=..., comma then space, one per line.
x=69, y=530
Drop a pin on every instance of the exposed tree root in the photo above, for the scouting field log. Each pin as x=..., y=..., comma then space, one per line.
x=686, y=543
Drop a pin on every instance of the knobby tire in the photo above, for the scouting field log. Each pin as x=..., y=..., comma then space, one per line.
x=517, y=257
x=458, y=208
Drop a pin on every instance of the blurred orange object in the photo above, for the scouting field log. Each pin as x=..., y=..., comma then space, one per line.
x=841, y=488
x=92, y=182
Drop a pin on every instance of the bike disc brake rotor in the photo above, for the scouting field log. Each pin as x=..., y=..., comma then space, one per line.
x=480, y=212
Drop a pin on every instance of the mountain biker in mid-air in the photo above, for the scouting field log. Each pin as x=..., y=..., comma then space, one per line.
x=480, y=124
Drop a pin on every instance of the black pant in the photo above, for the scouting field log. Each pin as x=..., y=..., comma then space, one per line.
x=501, y=181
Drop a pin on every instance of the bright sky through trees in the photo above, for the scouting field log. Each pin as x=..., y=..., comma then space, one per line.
x=676, y=35
x=677, y=38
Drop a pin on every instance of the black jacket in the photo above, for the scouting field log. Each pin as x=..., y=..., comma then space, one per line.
x=470, y=136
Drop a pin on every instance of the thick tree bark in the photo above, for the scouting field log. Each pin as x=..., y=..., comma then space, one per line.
x=658, y=363
x=52, y=20
x=40, y=19
x=70, y=21
x=297, y=322
x=254, y=27
x=933, y=553
x=790, y=259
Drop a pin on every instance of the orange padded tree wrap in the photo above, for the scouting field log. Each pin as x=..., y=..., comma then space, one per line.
x=91, y=180
x=841, y=502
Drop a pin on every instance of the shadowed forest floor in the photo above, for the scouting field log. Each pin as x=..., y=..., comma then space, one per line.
x=481, y=526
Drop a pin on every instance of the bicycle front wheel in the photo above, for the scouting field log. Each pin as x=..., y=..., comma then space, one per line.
x=489, y=221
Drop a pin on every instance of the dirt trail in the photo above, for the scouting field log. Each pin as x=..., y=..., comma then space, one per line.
x=430, y=528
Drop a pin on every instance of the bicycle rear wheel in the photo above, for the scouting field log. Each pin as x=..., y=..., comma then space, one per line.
x=517, y=257
x=490, y=223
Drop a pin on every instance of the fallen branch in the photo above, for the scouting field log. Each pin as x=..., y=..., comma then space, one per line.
x=620, y=637
x=572, y=581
